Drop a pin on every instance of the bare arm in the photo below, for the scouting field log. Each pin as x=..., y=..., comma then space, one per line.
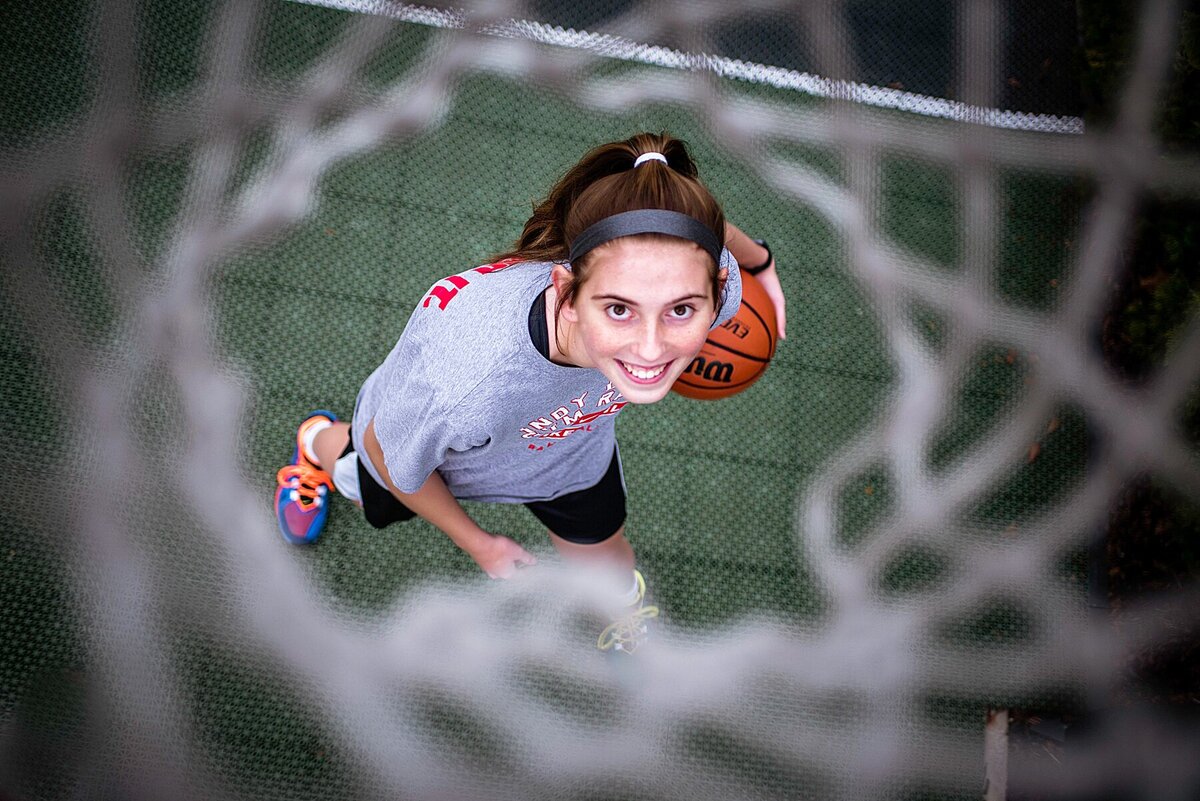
x=499, y=556
x=750, y=253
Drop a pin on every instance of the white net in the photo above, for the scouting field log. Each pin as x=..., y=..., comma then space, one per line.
x=211, y=654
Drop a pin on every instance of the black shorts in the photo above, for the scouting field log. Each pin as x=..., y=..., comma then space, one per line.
x=587, y=516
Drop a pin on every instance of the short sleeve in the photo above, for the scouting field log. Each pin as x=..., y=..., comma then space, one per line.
x=416, y=424
x=731, y=294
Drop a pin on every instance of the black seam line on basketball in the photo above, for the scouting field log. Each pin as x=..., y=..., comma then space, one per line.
x=722, y=387
x=758, y=359
x=766, y=327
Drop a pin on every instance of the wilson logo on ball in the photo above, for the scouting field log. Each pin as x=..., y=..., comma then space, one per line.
x=735, y=328
x=721, y=372
x=736, y=352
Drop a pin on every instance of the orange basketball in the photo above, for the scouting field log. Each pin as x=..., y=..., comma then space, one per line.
x=736, y=352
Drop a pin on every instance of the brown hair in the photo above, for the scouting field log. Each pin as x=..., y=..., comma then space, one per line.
x=604, y=183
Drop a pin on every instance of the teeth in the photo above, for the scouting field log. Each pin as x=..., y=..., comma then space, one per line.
x=644, y=375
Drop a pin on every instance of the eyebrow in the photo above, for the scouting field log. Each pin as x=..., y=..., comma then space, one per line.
x=627, y=302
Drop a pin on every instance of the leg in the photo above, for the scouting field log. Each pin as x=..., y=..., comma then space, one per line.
x=629, y=630
x=615, y=552
x=329, y=443
x=585, y=515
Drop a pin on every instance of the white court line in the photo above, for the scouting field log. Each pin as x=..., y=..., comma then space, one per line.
x=627, y=50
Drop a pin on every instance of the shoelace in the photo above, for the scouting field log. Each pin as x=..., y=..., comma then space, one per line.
x=627, y=633
x=307, y=482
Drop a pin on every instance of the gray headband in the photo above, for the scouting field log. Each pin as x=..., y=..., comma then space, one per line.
x=646, y=221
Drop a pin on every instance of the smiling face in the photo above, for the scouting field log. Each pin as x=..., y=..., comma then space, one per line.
x=641, y=315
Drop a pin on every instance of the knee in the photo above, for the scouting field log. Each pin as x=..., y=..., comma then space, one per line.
x=591, y=537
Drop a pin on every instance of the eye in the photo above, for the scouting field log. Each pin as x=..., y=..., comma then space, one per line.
x=618, y=311
x=682, y=312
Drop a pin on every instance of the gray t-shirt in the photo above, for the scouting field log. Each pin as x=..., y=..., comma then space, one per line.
x=465, y=392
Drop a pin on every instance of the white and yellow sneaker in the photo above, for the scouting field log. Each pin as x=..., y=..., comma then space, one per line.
x=629, y=631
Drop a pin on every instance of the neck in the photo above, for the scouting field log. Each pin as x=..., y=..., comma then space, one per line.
x=559, y=331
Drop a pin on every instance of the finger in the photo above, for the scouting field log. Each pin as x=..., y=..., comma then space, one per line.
x=499, y=572
x=780, y=312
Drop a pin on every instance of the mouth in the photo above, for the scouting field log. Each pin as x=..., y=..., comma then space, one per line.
x=644, y=375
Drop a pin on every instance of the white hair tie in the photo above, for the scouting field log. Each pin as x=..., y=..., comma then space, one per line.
x=647, y=157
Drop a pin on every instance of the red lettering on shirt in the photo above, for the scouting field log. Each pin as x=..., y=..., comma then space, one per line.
x=610, y=394
x=577, y=422
x=497, y=267
x=563, y=414
x=443, y=295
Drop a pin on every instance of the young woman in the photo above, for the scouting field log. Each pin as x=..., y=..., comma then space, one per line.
x=506, y=382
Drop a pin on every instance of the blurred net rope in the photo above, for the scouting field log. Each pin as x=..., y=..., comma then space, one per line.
x=460, y=690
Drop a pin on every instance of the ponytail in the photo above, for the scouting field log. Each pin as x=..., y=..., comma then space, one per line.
x=605, y=182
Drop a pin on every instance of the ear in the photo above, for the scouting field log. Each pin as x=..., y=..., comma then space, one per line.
x=562, y=278
x=722, y=278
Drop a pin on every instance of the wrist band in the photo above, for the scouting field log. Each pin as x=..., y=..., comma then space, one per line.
x=756, y=270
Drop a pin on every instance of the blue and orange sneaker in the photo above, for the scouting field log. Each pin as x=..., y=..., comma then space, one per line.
x=301, y=504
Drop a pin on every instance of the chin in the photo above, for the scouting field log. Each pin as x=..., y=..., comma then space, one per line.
x=642, y=396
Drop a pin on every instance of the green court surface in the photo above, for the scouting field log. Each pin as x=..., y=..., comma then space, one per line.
x=713, y=486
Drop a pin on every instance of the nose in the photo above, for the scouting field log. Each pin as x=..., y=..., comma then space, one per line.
x=651, y=342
